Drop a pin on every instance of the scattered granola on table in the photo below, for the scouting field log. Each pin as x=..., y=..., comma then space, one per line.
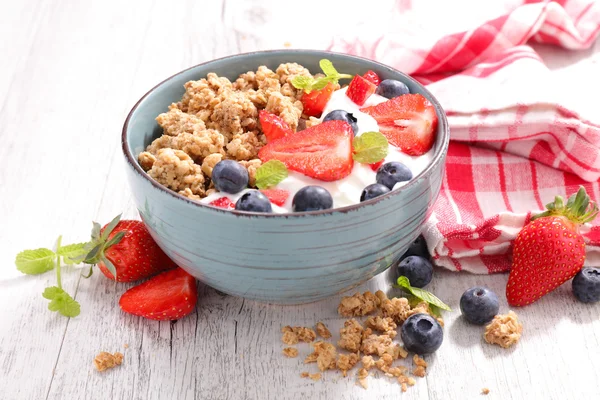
x=504, y=330
x=370, y=343
x=485, y=391
x=105, y=360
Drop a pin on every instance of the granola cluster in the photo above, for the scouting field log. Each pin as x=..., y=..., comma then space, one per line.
x=217, y=119
x=105, y=360
x=370, y=344
x=504, y=330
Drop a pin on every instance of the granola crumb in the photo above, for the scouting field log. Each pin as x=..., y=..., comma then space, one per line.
x=346, y=362
x=358, y=305
x=362, y=377
x=504, y=330
x=291, y=335
x=376, y=344
x=290, y=352
x=385, y=325
x=396, y=308
x=351, y=336
x=314, y=377
x=368, y=362
x=105, y=360
x=324, y=354
x=322, y=330
x=485, y=391
x=126, y=346
x=421, y=364
x=384, y=362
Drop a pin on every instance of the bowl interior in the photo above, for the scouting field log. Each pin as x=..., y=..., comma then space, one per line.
x=141, y=128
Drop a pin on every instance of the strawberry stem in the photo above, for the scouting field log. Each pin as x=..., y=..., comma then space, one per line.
x=579, y=208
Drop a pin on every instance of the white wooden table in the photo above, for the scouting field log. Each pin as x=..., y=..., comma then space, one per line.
x=69, y=73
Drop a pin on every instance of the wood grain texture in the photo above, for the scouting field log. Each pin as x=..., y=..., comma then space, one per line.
x=69, y=75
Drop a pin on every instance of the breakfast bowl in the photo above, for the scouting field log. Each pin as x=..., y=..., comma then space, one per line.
x=280, y=258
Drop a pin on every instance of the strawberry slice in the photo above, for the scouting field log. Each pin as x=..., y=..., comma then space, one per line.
x=360, y=90
x=273, y=126
x=314, y=102
x=409, y=122
x=323, y=151
x=223, y=202
x=376, y=165
x=169, y=296
x=276, y=196
x=372, y=77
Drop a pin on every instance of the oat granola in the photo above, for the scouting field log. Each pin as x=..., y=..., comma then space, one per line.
x=504, y=330
x=290, y=352
x=105, y=360
x=322, y=330
x=217, y=119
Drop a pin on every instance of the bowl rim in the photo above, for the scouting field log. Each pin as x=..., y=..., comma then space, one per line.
x=437, y=157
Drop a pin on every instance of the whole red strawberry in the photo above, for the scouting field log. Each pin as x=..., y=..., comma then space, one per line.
x=169, y=296
x=126, y=249
x=549, y=250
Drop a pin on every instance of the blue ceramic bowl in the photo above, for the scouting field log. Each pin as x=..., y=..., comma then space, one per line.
x=279, y=258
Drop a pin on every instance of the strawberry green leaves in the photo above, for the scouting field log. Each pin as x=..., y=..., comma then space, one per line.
x=369, y=148
x=35, y=262
x=404, y=284
x=308, y=83
x=38, y=261
x=270, y=174
x=94, y=250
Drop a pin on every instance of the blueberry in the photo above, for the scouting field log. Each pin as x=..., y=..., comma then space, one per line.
x=393, y=172
x=373, y=190
x=586, y=285
x=422, y=334
x=229, y=176
x=391, y=88
x=418, y=270
x=417, y=248
x=342, y=115
x=479, y=305
x=312, y=198
x=255, y=201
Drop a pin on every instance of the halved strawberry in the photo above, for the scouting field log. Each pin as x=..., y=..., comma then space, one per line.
x=273, y=126
x=360, y=90
x=169, y=296
x=376, y=165
x=276, y=196
x=314, y=102
x=323, y=151
x=223, y=202
x=409, y=122
x=372, y=77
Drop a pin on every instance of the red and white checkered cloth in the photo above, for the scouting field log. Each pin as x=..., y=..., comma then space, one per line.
x=517, y=140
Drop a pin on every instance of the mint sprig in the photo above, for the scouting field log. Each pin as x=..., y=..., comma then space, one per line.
x=270, y=174
x=369, y=148
x=404, y=284
x=308, y=83
x=38, y=261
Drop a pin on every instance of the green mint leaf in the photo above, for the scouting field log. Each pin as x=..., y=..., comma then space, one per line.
x=369, y=148
x=327, y=67
x=320, y=83
x=302, y=82
x=51, y=292
x=61, y=301
x=422, y=294
x=270, y=174
x=34, y=262
x=109, y=228
x=73, y=253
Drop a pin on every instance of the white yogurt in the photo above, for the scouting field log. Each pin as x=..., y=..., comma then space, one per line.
x=345, y=191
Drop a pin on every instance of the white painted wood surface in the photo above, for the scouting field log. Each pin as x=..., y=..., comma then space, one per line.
x=69, y=73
